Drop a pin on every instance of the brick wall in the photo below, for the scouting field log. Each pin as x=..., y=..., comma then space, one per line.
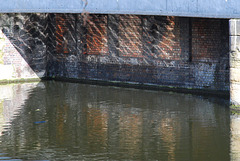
x=166, y=51
x=209, y=39
x=130, y=36
x=96, y=36
x=157, y=50
x=22, y=46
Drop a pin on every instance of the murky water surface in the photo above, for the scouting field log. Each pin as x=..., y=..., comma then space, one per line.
x=68, y=121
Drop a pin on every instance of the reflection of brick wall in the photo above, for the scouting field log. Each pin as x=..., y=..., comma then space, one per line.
x=97, y=126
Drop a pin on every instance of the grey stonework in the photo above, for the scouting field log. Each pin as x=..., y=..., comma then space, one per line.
x=235, y=62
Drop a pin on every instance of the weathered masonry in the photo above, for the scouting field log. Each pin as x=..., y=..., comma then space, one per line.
x=235, y=61
x=169, y=47
x=157, y=50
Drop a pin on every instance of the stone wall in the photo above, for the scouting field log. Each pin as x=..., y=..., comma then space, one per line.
x=234, y=37
x=151, y=50
x=22, y=46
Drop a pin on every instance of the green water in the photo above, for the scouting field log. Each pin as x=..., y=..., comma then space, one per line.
x=68, y=121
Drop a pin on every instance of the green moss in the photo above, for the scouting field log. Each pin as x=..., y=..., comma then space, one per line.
x=8, y=81
x=235, y=106
x=235, y=109
x=1, y=52
x=233, y=112
x=1, y=57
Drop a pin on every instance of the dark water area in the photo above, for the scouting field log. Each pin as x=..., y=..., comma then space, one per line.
x=68, y=121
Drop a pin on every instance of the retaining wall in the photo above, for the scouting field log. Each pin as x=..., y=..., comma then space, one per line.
x=22, y=46
x=163, y=51
x=156, y=50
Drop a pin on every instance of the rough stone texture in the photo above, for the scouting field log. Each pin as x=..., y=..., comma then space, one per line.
x=234, y=62
x=234, y=93
x=22, y=46
x=158, y=50
x=233, y=27
x=235, y=137
x=235, y=76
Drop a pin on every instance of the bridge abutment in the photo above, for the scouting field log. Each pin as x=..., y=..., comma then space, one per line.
x=234, y=37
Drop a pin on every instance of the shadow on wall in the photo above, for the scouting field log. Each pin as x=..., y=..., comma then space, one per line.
x=158, y=50
x=116, y=47
x=23, y=46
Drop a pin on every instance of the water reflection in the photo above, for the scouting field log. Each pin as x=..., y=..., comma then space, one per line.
x=235, y=137
x=67, y=121
x=12, y=98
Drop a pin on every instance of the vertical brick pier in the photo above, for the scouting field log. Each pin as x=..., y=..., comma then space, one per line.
x=235, y=63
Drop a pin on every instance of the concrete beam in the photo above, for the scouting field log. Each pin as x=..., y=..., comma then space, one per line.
x=189, y=8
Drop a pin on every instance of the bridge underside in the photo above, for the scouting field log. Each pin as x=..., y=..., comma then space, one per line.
x=154, y=51
x=158, y=50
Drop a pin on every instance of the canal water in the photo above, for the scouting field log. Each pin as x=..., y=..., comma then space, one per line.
x=68, y=121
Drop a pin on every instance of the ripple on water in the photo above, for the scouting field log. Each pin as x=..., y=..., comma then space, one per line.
x=86, y=122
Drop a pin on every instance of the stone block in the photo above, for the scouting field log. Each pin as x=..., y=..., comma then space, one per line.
x=234, y=43
x=234, y=75
x=234, y=26
x=234, y=63
x=235, y=93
